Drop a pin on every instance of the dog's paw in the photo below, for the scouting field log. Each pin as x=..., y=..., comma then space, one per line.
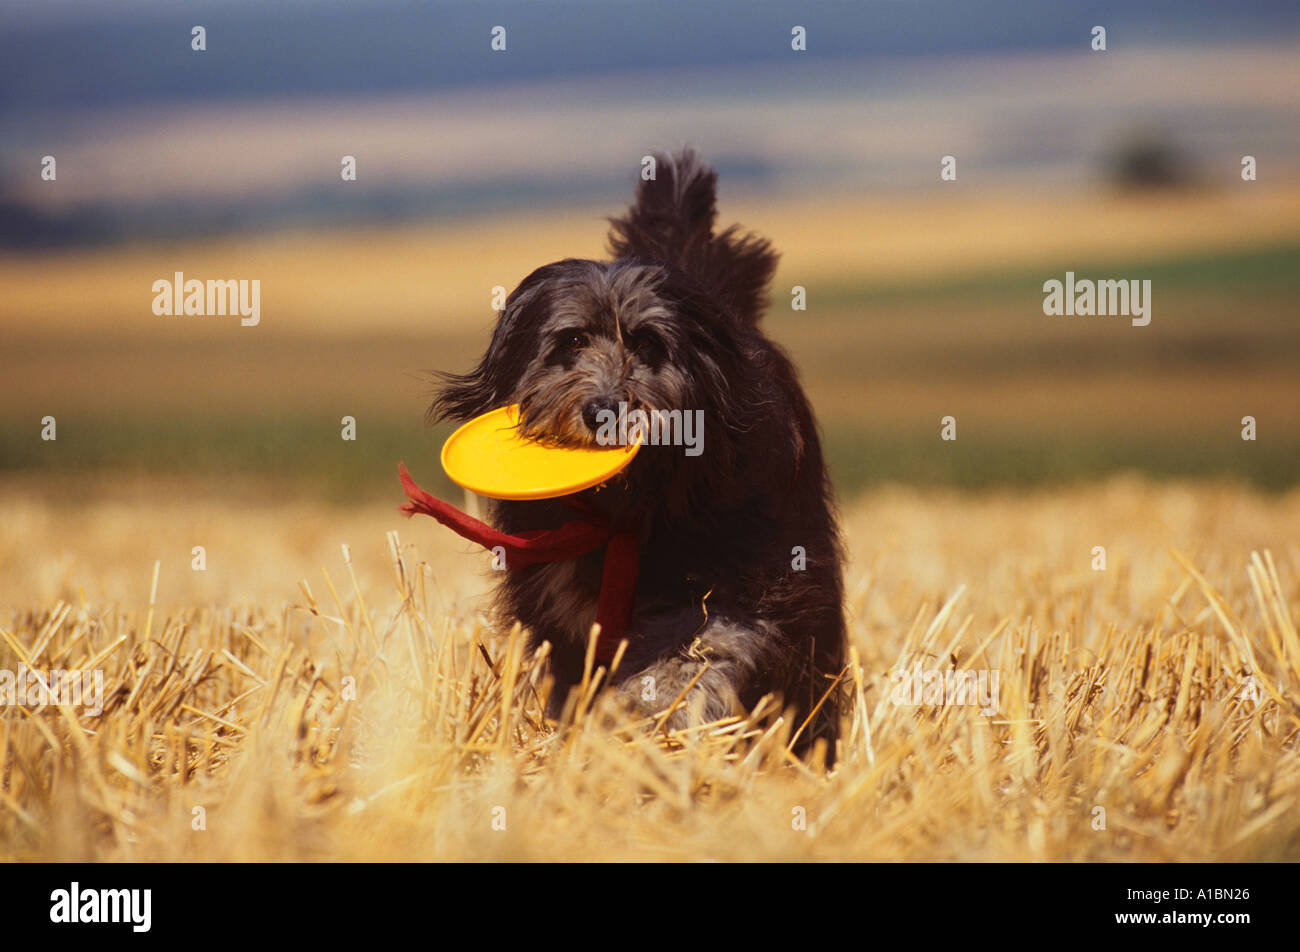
x=696, y=692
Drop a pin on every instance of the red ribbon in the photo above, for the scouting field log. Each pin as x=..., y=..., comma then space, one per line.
x=574, y=538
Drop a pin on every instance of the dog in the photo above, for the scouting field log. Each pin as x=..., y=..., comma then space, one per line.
x=739, y=591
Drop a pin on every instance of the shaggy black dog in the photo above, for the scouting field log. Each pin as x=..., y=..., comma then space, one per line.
x=739, y=551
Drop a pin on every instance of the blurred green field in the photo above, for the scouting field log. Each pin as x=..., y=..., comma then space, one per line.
x=884, y=354
x=297, y=457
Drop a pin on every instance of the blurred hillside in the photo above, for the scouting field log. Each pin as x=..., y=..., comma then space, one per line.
x=1064, y=121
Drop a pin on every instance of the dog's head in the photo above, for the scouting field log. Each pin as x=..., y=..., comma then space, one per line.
x=583, y=341
x=668, y=325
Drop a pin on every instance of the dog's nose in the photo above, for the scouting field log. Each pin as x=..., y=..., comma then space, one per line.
x=592, y=412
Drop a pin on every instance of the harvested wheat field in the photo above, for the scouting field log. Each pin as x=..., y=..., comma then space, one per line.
x=1147, y=711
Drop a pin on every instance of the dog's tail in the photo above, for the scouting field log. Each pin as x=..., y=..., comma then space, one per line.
x=671, y=222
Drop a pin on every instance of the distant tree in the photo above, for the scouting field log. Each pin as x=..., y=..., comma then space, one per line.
x=1149, y=161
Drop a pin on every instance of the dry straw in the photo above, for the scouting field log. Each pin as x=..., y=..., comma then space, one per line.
x=332, y=730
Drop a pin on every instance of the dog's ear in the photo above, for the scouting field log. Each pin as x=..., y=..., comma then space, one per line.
x=461, y=397
x=671, y=222
x=492, y=383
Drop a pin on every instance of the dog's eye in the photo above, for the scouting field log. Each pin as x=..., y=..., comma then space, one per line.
x=570, y=340
x=646, y=346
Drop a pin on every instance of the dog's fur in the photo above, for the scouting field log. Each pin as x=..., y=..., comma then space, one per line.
x=672, y=323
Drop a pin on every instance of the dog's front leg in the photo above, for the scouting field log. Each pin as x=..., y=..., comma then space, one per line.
x=713, y=673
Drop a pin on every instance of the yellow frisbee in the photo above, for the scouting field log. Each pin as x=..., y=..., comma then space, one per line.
x=490, y=456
